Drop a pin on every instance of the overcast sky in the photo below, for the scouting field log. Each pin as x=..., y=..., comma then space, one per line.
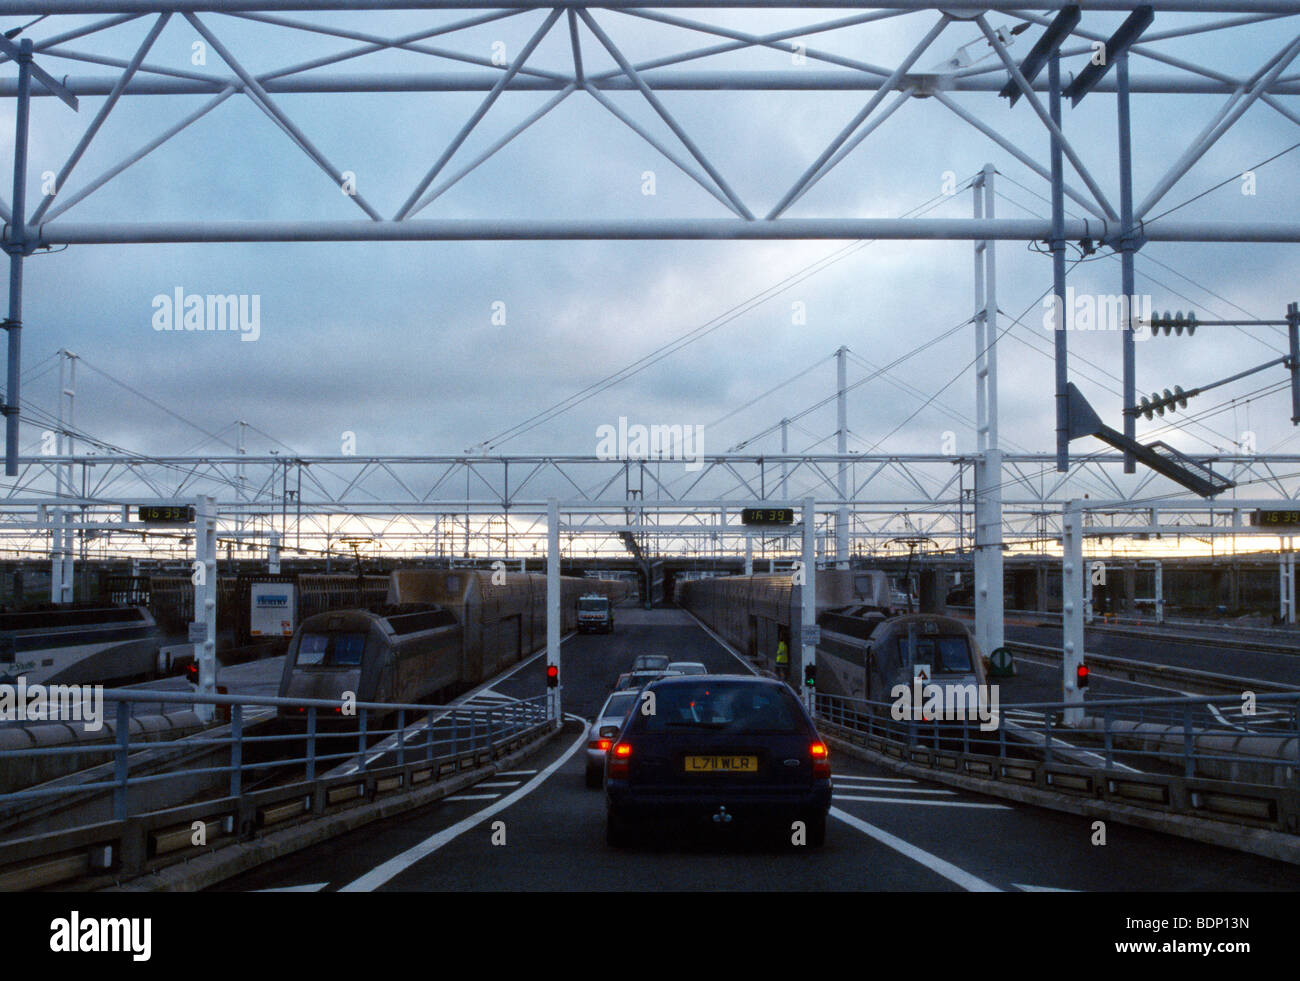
x=396, y=342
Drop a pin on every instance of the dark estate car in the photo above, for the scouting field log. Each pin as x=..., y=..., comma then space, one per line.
x=718, y=751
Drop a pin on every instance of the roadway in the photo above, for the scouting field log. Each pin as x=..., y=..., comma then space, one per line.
x=887, y=833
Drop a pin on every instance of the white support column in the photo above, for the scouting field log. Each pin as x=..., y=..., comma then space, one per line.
x=1087, y=592
x=749, y=554
x=62, y=575
x=553, y=623
x=808, y=612
x=842, y=447
x=1073, y=576
x=273, y=554
x=1281, y=581
x=56, y=556
x=1291, y=582
x=1286, y=580
x=241, y=482
x=203, y=629
x=1160, y=592
x=988, y=467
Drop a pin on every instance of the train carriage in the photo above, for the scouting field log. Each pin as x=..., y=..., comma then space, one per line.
x=441, y=631
x=865, y=650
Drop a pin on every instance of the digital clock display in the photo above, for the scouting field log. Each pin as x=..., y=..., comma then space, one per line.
x=167, y=514
x=1276, y=519
x=767, y=516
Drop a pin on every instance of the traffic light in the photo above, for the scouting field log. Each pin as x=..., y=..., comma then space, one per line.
x=1081, y=676
x=810, y=675
x=552, y=675
x=1176, y=323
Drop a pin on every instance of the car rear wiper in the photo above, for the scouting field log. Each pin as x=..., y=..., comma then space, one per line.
x=702, y=725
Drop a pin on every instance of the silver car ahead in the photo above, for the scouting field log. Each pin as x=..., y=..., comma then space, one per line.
x=608, y=723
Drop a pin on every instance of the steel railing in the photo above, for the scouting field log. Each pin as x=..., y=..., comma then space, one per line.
x=1191, y=736
x=314, y=736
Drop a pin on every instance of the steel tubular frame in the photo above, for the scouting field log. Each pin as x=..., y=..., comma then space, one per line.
x=677, y=71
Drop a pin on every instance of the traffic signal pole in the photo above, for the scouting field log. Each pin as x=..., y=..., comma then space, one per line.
x=553, y=604
x=1072, y=601
x=988, y=467
x=808, y=617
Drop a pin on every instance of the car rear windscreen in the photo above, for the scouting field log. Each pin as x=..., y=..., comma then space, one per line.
x=722, y=705
x=619, y=705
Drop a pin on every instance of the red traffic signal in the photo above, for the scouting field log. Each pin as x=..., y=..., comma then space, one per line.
x=552, y=675
x=1081, y=676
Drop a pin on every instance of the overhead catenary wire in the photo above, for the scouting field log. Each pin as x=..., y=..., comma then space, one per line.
x=1144, y=257
x=672, y=347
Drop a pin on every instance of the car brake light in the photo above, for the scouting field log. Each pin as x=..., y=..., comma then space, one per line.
x=821, y=761
x=600, y=744
x=618, y=761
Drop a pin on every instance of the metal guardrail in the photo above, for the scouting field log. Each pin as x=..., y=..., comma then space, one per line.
x=1192, y=755
x=425, y=743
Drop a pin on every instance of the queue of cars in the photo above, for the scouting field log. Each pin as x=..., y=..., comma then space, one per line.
x=678, y=745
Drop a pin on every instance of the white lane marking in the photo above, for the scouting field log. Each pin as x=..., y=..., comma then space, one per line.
x=472, y=797
x=843, y=776
x=1219, y=715
x=376, y=877
x=934, y=863
x=1027, y=888
x=517, y=773
x=925, y=803
x=1058, y=741
x=904, y=790
x=725, y=646
x=312, y=887
x=503, y=783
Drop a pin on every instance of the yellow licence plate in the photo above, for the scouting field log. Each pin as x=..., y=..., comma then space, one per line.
x=722, y=764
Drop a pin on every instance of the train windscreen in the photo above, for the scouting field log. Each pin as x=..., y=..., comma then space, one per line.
x=331, y=650
x=944, y=654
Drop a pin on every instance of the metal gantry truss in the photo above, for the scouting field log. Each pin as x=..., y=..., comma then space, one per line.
x=497, y=505
x=953, y=83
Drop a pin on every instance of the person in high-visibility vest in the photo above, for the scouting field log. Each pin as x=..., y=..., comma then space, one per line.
x=782, y=658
